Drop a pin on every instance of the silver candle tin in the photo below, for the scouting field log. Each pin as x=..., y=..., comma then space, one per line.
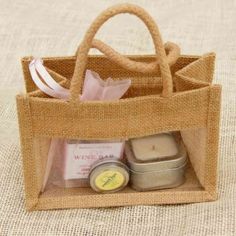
x=168, y=172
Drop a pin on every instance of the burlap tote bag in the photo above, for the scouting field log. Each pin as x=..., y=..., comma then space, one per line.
x=180, y=97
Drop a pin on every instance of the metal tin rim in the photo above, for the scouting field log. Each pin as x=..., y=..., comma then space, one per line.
x=105, y=161
x=159, y=171
x=109, y=163
x=153, y=166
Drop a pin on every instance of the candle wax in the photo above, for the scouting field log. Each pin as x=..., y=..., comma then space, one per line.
x=155, y=146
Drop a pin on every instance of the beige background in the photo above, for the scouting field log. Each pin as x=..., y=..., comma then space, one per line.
x=44, y=28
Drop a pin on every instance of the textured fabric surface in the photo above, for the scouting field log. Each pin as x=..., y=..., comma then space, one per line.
x=47, y=28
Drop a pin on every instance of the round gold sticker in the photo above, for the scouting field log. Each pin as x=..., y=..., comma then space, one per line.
x=109, y=180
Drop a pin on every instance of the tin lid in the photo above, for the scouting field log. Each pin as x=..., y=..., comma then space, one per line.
x=161, y=164
x=108, y=175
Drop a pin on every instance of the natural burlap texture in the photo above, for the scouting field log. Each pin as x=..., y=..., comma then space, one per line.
x=185, y=89
x=215, y=218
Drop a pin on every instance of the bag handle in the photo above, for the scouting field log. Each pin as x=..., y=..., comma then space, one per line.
x=82, y=57
x=172, y=51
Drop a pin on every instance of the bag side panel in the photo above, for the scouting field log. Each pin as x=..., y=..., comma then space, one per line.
x=213, y=129
x=27, y=150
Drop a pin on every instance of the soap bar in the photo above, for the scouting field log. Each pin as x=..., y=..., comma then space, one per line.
x=79, y=157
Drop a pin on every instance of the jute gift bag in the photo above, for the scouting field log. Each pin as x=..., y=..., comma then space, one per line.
x=164, y=96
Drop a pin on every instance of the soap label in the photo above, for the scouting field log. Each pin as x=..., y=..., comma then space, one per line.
x=79, y=157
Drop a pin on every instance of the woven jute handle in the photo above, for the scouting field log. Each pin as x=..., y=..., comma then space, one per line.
x=172, y=51
x=81, y=60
